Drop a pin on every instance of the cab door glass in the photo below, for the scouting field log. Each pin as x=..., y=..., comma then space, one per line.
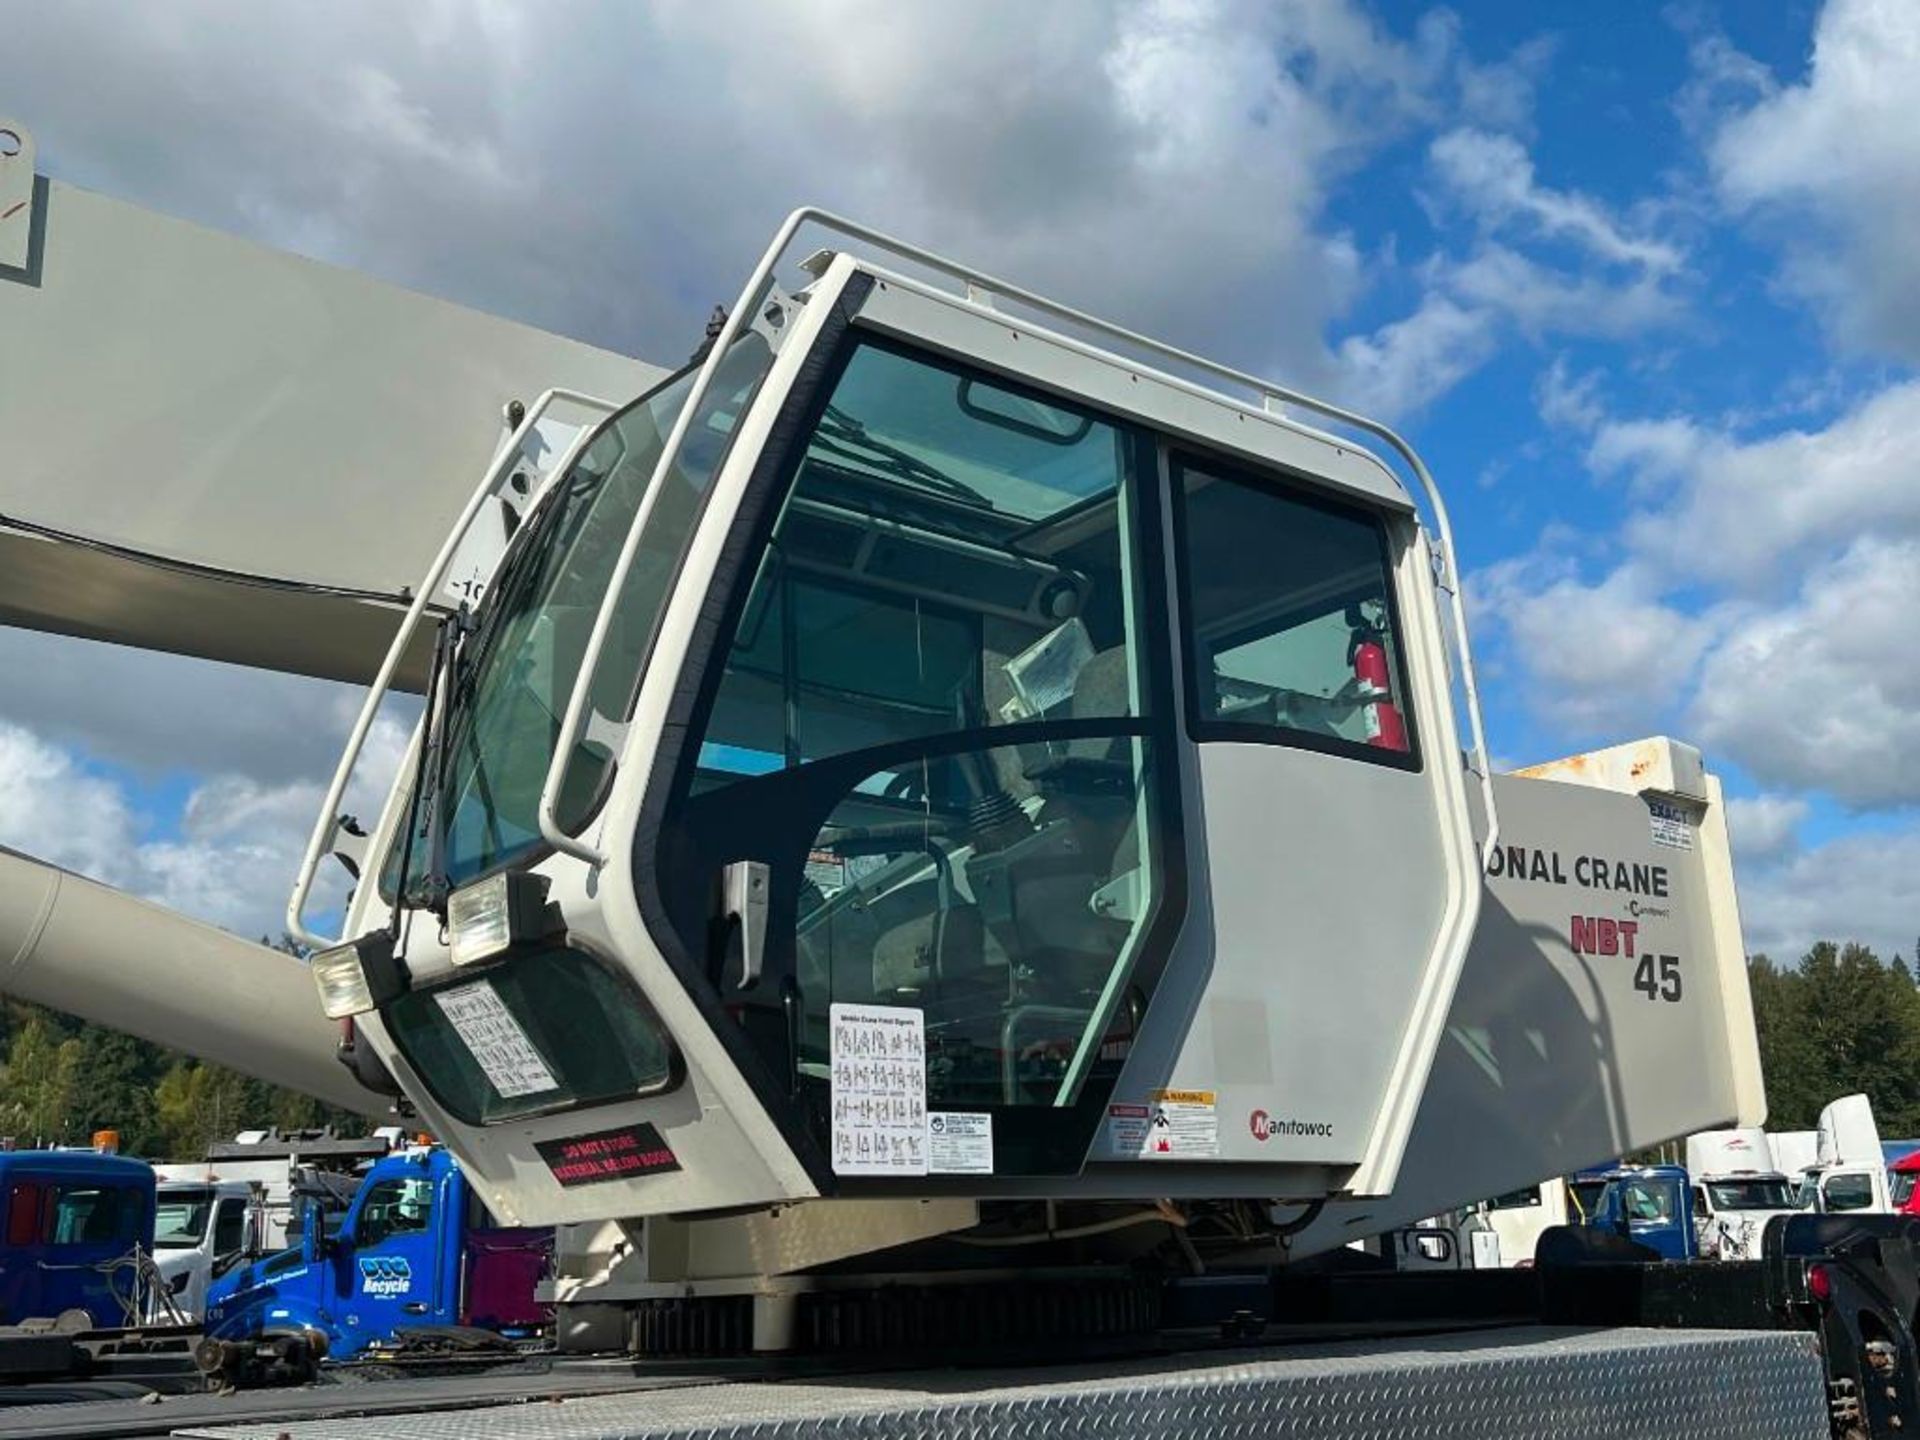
x=395, y=1207
x=931, y=725
x=1291, y=630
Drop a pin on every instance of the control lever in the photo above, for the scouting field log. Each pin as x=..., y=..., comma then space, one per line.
x=743, y=898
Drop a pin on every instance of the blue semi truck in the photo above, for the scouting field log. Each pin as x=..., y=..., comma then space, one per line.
x=416, y=1254
x=75, y=1226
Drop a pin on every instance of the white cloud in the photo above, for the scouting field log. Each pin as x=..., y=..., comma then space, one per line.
x=612, y=171
x=1765, y=827
x=1857, y=887
x=1543, y=299
x=1492, y=177
x=1619, y=279
x=1833, y=163
x=156, y=712
x=1596, y=658
x=1404, y=365
x=1750, y=515
x=238, y=841
x=1761, y=596
x=1823, y=693
x=1567, y=401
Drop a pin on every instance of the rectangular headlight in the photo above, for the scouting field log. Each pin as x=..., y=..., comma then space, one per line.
x=492, y=915
x=343, y=983
x=359, y=977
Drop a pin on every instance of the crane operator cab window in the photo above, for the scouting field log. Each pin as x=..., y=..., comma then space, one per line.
x=932, y=724
x=1290, y=622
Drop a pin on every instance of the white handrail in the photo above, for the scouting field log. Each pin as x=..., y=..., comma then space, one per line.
x=509, y=449
x=741, y=316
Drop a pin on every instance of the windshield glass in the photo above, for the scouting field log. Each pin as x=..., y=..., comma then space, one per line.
x=180, y=1218
x=518, y=669
x=1750, y=1194
x=1902, y=1187
x=1585, y=1195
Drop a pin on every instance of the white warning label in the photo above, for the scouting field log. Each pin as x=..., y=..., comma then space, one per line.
x=878, y=1090
x=1670, y=825
x=959, y=1144
x=1171, y=1125
x=495, y=1040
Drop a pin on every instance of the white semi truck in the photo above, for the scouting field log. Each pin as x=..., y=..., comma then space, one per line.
x=941, y=824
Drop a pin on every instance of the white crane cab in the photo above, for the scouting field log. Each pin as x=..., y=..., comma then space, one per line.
x=991, y=763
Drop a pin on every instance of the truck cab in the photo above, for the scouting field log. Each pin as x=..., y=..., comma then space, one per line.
x=1850, y=1170
x=1652, y=1205
x=415, y=1250
x=1737, y=1186
x=67, y=1217
x=202, y=1229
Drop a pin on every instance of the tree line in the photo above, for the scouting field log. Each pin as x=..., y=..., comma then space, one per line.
x=64, y=1079
x=1839, y=1021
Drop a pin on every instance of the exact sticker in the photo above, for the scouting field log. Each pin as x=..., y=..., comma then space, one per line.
x=495, y=1040
x=1671, y=827
x=959, y=1144
x=1172, y=1125
x=878, y=1089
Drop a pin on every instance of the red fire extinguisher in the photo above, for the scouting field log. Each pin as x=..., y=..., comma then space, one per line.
x=1367, y=654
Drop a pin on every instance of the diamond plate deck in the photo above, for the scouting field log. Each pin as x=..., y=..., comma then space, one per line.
x=1525, y=1384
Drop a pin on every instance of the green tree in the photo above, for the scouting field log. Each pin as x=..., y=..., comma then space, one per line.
x=41, y=1085
x=196, y=1104
x=1840, y=1021
x=121, y=1072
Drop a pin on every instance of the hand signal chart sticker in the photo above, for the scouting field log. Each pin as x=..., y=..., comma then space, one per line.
x=878, y=1089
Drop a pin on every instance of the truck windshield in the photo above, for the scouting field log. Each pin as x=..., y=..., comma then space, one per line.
x=1750, y=1194
x=180, y=1218
x=518, y=669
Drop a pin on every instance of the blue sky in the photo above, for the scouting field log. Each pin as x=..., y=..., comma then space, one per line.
x=1635, y=279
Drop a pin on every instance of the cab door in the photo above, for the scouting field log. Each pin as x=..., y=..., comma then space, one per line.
x=391, y=1258
x=1341, y=872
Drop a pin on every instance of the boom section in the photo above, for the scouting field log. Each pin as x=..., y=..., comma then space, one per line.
x=992, y=765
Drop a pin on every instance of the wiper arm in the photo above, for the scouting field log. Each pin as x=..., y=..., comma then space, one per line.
x=840, y=434
x=435, y=883
x=443, y=642
x=477, y=635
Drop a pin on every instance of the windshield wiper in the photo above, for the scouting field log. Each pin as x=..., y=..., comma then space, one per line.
x=838, y=433
x=444, y=639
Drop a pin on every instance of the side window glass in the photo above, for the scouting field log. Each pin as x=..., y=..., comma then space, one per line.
x=94, y=1214
x=1849, y=1192
x=395, y=1207
x=230, y=1227
x=1289, y=625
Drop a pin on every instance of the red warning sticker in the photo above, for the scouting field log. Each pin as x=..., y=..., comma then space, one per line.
x=621, y=1154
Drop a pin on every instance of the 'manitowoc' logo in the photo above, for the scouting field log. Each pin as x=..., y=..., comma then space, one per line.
x=1265, y=1126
